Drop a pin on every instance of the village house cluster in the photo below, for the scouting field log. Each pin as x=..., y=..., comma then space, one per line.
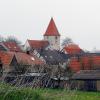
x=47, y=61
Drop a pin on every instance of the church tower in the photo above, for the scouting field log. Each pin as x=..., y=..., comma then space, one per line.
x=52, y=36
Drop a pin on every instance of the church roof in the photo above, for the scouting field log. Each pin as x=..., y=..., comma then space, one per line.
x=38, y=44
x=52, y=29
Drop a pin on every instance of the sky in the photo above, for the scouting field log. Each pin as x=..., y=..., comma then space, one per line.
x=28, y=19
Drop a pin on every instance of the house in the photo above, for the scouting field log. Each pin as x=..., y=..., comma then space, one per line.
x=15, y=61
x=74, y=64
x=85, y=61
x=52, y=57
x=23, y=58
x=10, y=46
x=2, y=47
x=51, y=39
x=72, y=49
x=35, y=44
x=6, y=60
x=87, y=80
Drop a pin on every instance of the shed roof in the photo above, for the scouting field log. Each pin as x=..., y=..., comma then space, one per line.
x=87, y=75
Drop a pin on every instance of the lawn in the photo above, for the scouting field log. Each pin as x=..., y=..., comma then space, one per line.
x=13, y=93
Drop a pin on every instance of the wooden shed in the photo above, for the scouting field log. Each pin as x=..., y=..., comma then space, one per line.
x=87, y=80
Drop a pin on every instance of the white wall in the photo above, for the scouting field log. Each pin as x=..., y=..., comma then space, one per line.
x=27, y=46
x=54, y=41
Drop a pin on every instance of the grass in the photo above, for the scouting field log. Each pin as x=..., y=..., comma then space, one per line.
x=13, y=93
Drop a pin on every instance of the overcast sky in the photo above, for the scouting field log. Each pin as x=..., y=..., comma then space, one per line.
x=28, y=19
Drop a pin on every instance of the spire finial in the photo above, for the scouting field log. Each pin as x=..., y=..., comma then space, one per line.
x=52, y=29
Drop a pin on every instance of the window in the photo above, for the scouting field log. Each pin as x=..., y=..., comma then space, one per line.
x=56, y=37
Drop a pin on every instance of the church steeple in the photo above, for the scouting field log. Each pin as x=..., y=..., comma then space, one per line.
x=52, y=36
x=52, y=29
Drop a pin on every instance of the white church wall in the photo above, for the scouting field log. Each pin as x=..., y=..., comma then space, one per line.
x=54, y=42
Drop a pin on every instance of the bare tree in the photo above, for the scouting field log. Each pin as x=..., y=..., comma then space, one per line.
x=2, y=39
x=13, y=39
x=67, y=41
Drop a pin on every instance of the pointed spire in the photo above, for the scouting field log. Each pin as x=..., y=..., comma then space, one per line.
x=52, y=29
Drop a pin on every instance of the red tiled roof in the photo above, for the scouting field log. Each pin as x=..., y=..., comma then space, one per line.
x=52, y=29
x=38, y=44
x=23, y=58
x=72, y=49
x=5, y=58
x=74, y=65
x=12, y=46
x=95, y=60
x=85, y=63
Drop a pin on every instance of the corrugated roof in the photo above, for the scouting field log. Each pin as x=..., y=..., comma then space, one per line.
x=87, y=75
